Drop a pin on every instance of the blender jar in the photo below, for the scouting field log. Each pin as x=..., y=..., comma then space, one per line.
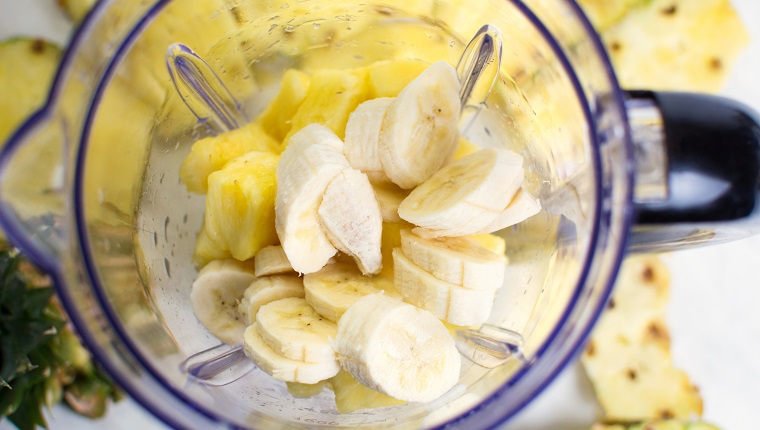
x=90, y=188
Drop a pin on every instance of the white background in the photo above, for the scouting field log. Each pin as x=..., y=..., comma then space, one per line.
x=714, y=311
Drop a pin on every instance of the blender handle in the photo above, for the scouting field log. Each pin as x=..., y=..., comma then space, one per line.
x=709, y=190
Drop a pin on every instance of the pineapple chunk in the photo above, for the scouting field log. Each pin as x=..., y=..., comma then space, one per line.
x=491, y=242
x=276, y=118
x=27, y=67
x=332, y=96
x=388, y=78
x=212, y=153
x=465, y=148
x=206, y=250
x=240, y=204
x=350, y=395
x=677, y=45
x=603, y=14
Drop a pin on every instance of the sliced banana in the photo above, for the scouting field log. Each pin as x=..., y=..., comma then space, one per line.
x=267, y=289
x=451, y=303
x=389, y=197
x=362, y=136
x=336, y=287
x=295, y=330
x=397, y=349
x=281, y=367
x=457, y=260
x=522, y=207
x=464, y=197
x=271, y=260
x=420, y=130
x=350, y=217
x=313, y=158
x=215, y=295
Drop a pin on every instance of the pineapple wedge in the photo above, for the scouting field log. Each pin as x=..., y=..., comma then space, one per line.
x=677, y=45
x=27, y=67
x=240, y=205
x=276, y=117
x=212, y=153
x=351, y=396
x=330, y=99
x=206, y=250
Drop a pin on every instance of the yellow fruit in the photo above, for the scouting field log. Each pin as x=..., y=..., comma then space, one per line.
x=212, y=153
x=76, y=10
x=206, y=250
x=350, y=395
x=276, y=118
x=492, y=242
x=332, y=96
x=388, y=78
x=240, y=204
x=27, y=67
x=465, y=148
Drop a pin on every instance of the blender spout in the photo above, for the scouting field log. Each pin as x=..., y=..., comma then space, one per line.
x=32, y=189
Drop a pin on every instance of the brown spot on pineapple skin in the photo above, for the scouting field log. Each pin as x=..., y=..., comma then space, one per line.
x=590, y=349
x=631, y=373
x=666, y=414
x=615, y=46
x=657, y=332
x=38, y=46
x=670, y=11
x=647, y=275
x=611, y=304
x=716, y=64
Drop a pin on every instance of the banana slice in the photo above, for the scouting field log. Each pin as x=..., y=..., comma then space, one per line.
x=397, y=349
x=271, y=260
x=362, y=136
x=466, y=196
x=350, y=216
x=295, y=330
x=215, y=295
x=457, y=260
x=336, y=287
x=389, y=197
x=267, y=289
x=420, y=130
x=522, y=207
x=281, y=367
x=451, y=303
x=313, y=158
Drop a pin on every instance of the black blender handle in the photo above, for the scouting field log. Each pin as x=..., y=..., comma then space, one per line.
x=712, y=146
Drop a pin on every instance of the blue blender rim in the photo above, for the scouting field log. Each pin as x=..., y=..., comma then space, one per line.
x=48, y=262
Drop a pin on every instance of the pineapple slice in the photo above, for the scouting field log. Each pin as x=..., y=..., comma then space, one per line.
x=240, y=205
x=76, y=10
x=330, y=99
x=603, y=14
x=351, y=396
x=276, y=117
x=212, y=153
x=677, y=45
x=27, y=67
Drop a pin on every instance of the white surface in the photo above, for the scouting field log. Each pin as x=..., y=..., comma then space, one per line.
x=713, y=313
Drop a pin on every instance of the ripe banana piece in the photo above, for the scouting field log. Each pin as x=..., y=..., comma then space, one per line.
x=267, y=289
x=363, y=135
x=295, y=330
x=420, y=129
x=451, y=303
x=313, y=158
x=350, y=217
x=457, y=260
x=336, y=287
x=522, y=207
x=215, y=294
x=389, y=197
x=466, y=196
x=397, y=349
x=271, y=260
x=281, y=367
